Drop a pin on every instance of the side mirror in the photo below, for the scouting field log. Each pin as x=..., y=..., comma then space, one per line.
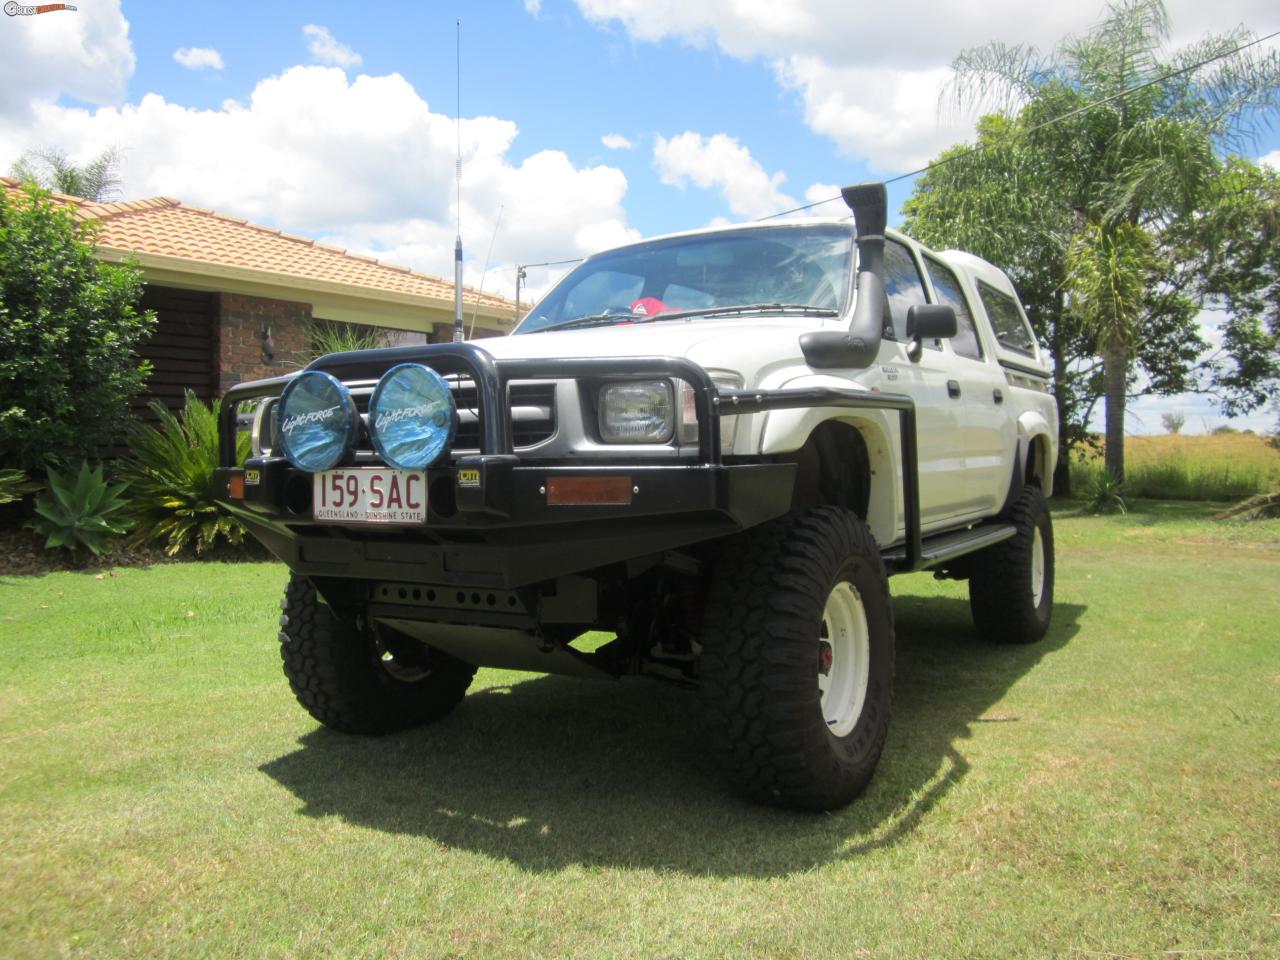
x=931, y=321
x=928, y=321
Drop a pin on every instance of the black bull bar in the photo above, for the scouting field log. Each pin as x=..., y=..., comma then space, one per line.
x=492, y=375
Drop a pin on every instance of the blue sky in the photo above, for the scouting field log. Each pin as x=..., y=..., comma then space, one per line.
x=335, y=120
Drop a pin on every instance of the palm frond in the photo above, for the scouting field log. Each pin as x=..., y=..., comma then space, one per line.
x=996, y=76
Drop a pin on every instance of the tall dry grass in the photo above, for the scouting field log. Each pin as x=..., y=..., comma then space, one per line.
x=1175, y=467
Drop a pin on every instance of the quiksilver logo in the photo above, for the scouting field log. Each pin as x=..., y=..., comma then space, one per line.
x=388, y=417
x=303, y=419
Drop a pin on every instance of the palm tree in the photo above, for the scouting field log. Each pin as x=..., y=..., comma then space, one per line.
x=1108, y=268
x=48, y=167
x=1138, y=161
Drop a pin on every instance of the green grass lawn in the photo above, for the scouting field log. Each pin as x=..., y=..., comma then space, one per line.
x=1112, y=791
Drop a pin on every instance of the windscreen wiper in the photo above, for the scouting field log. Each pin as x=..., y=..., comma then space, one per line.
x=799, y=309
x=590, y=320
x=609, y=319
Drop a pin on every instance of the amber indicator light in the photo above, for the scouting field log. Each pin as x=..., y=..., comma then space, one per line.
x=588, y=491
x=237, y=487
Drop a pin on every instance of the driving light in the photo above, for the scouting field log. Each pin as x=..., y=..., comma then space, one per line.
x=637, y=411
x=412, y=418
x=316, y=421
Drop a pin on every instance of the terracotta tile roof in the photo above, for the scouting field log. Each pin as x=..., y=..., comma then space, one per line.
x=166, y=227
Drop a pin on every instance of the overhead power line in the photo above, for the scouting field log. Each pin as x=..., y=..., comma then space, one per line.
x=1047, y=123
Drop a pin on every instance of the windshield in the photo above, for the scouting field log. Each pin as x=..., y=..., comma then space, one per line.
x=802, y=268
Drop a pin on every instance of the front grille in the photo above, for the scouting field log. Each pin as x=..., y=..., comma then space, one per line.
x=533, y=416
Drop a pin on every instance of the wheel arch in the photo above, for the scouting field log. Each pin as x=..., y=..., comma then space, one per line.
x=1038, y=449
x=845, y=459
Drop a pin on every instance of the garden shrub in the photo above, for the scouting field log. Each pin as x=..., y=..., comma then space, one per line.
x=69, y=331
x=14, y=485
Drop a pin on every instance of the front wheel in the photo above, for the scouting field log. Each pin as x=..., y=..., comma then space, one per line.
x=358, y=681
x=1011, y=583
x=796, y=669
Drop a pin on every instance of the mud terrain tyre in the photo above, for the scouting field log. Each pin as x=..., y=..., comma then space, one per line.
x=352, y=681
x=796, y=669
x=1011, y=583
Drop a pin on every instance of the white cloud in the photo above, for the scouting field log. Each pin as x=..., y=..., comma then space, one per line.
x=86, y=54
x=869, y=75
x=326, y=48
x=828, y=199
x=199, y=58
x=616, y=141
x=363, y=162
x=1271, y=160
x=885, y=114
x=533, y=7
x=721, y=163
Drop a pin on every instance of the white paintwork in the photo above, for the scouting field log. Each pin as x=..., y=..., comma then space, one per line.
x=967, y=447
x=843, y=688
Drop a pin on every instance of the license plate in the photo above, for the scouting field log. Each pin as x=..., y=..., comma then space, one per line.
x=370, y=496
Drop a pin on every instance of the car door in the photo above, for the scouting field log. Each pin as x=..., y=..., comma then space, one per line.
x=926, y=381
x=988, y=433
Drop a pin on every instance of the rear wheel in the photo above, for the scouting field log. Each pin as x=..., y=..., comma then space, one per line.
x=796, y=668
x=360, y=681
x=1011, y=583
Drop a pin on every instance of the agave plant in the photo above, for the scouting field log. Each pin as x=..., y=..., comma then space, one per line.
x=1105, y=493
x=170, y=470
x=84, y=511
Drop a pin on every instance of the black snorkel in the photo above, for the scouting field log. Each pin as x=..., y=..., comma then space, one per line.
x=857, y=347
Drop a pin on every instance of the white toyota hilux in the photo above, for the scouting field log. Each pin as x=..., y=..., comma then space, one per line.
x=698, y=458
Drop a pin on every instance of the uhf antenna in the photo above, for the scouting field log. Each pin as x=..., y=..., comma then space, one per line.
x=457, y=247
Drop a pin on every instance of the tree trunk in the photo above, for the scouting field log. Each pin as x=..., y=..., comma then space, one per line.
x=1115, y=366
x=1061, y=469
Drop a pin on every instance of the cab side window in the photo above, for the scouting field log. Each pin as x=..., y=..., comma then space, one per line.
x=1011, y=330
x=945, y=284
x=903, y=288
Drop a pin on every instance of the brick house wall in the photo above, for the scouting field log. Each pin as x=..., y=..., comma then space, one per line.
x=242, y=321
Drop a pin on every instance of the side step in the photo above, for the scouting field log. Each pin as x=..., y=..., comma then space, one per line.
x=937, y=550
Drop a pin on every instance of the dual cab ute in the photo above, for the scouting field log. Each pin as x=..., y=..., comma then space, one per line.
x=714, y=447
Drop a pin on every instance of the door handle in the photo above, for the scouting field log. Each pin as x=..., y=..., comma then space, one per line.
x=997, y=396
x=953, y=388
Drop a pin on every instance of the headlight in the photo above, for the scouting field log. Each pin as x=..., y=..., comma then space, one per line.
x=637, y=411
x=689, y=412
x=316, y=421
x=411, y=416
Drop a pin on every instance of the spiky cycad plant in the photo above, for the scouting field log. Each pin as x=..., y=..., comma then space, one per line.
x=170, y=472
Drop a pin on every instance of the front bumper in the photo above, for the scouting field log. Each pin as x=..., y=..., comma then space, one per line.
x=502, y=528
x=491, y=521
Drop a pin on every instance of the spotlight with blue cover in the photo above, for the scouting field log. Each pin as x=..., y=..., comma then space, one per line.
x=412, y=417
x=316, y=421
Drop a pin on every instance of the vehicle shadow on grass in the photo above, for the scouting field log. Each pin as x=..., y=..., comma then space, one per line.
x=551, y=771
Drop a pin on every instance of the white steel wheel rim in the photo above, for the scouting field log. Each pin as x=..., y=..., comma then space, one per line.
x=1037, y=568
x=842, y=687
